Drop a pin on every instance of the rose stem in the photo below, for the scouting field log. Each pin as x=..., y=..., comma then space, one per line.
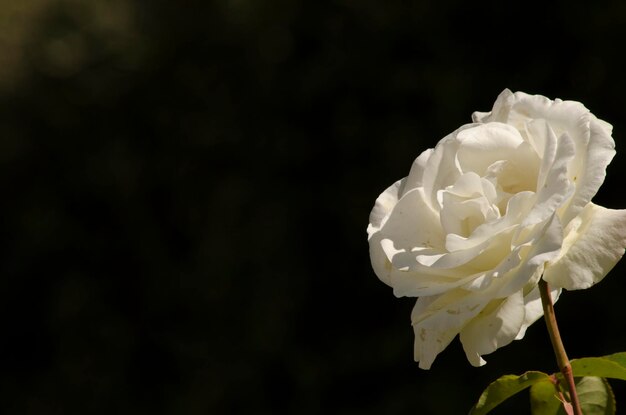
x=557, y=344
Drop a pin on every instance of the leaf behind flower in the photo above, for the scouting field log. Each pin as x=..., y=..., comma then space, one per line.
x=595, y=395
x=544, y=399
x=505, y=387
x=611, y=366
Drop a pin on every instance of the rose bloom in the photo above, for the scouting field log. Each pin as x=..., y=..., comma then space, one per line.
x=494, y=207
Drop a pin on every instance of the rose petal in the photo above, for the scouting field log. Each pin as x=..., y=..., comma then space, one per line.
x=416, y=284
x=441, y=169
x=556, y=187
x=542, y=138
x=496, y=326
x=517, y=208
x=383, y=206
x=413, y=224
x=595, y=241
x=468, y=185
x=416, y=174
x=562, y=116
x=500, y=110
x=483, y=144
x=592, y=172
x=452, y=259
x=462, y=217
x=400, y=221
x=544, y=246
x=534, y=308
x=438, y=319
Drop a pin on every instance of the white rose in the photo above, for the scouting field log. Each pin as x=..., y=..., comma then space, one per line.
x=493, y=207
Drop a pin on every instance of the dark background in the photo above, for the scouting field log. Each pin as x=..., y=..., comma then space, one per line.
x=186, y=188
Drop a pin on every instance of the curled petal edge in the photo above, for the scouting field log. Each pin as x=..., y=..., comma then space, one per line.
x=594, y=241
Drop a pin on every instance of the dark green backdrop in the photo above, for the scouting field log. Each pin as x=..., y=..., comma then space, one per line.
x=186, y=187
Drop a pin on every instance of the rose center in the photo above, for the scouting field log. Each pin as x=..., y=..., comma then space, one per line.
x=467, y=204
x=508, y=179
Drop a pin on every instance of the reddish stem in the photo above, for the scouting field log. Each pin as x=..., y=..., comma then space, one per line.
x=557, y=344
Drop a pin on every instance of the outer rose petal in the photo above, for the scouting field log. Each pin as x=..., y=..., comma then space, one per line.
x=438, y=319
x=598, y=155
x=412, y=224
x=595, y=240
x=534, y=308
x=500, y=110
x=493, y=328
x=396, y=229
x=383, y=206
x=416, y=174
x=442, y=167
x=592, y=136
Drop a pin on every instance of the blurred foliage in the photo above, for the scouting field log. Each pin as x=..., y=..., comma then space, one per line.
x=186, y=189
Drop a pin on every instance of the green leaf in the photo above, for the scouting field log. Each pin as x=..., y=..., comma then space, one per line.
x=505, y=387
x=594, y=391
x=595, y=395
x=611, y=366
x=543, y=399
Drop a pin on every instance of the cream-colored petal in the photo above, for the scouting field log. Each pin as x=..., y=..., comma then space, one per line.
x=468, y=185
x=406, y=276
x=452, y=259
x=380, y=263
x=483, y=144
x=543, y=139
x=495, y=326
x=383, y=206
x=495, y=278
x=438, y=319
x=412, y=224
x=415, y=284
x=414, y=179
x=543, y=247
x=561, y=115
x=554, y=187
x=517, y=208
x=534, y=308
x=595, y=240
x=441, y=169
x=462, y=217
x=398, y=227
x=592, y=172
x=409, y=278
x=500, y=110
